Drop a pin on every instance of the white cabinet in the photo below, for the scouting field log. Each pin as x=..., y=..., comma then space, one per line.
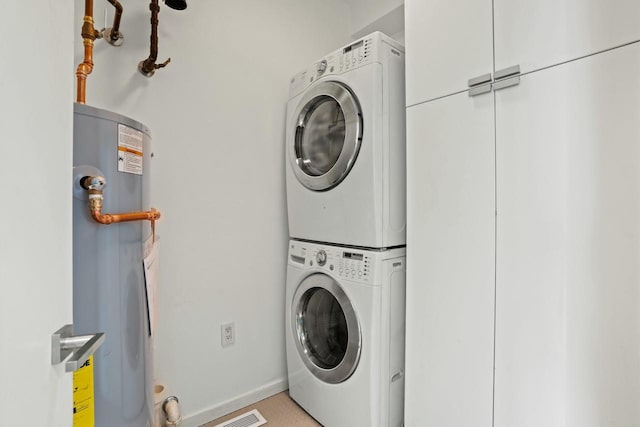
x=559, y=221
x=450, y=259
x=530, y=254
x=448, y=42
x=562, y=270
x=568, y=245
x=566, y=251
x=540, y=33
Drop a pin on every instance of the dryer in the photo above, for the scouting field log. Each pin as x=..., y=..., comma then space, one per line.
x=345, y=146
x=345, y=321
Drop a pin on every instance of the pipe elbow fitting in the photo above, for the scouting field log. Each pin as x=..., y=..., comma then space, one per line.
x=172, y=411
x=154, y=215
x=84, y=69
x=95, y=208
x=102, y=219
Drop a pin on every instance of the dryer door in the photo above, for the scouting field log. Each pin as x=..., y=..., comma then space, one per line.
x=327, y=136
x=325, y=328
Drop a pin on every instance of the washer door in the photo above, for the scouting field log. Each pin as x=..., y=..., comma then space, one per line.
x=326, y=329
x=327, y=136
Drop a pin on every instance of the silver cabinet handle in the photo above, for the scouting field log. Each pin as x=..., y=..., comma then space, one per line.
x=503, y=83
x=485, y=78
x=80, y=347
x=480, y=84
x=507, y=72
x=507, y=77
x=478, y=90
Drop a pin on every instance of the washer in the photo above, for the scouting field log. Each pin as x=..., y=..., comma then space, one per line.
x=345, y=147
x=345, y=333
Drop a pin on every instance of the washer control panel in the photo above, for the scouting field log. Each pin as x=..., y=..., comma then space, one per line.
x=354, y=265
x=351, y=264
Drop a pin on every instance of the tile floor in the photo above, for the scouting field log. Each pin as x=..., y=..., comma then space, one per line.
x=279, y=411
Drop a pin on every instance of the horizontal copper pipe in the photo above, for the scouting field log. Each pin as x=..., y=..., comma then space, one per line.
x=95, y=207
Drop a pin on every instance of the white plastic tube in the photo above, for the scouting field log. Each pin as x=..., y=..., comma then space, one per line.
x=172, y=411
x=160, y=394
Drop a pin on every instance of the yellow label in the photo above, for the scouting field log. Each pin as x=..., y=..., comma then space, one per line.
x=83, y=411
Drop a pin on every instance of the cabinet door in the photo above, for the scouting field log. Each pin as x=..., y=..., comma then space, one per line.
x=450, y=262
x=540, y=33
x=568, y=245
x=448, y=42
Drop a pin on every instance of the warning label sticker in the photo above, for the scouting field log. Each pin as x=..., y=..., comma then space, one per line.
x=83, y=406
x=129, y=150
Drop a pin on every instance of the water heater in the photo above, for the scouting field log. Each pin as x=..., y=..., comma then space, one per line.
x=109, y=293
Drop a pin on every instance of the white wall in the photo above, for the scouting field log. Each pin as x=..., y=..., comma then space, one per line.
x=367, y=16
x=36, y=90
x=217, y=116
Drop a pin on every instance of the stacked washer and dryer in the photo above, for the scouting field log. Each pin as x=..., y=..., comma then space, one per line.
x=345, y=291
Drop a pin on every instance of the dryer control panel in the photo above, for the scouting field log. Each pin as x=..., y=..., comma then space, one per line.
x=357, y=54
x=352, y=264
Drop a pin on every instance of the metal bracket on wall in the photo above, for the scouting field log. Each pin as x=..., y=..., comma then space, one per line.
x=479, y=85
x=507, y=77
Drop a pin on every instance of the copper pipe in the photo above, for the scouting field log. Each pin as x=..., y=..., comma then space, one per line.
x=95, y=185
x=149, y=66
x=88, y=8
x=89, y=34
x=114, y=35
x=95, y=208
x=116, y=19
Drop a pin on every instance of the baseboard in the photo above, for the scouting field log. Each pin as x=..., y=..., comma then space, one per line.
x=224, y=408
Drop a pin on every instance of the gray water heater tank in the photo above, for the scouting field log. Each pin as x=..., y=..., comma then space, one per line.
x=108, y=277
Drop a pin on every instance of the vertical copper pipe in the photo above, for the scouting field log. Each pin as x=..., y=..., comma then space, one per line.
x=148, y=66
x=115, y=30
x=89, y=34
x=153, y=54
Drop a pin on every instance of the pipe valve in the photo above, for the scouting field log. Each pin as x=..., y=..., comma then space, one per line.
x=93, y=182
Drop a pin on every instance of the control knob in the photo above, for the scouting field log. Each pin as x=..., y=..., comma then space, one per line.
x=321, y=257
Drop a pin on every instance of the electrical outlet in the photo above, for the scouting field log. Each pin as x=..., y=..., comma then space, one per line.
x=228, y=334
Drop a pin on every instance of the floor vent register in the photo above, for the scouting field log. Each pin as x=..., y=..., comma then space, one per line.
x=249, y=419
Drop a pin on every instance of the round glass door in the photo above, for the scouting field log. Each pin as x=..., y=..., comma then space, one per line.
x=327, y=136
x=326, y=329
